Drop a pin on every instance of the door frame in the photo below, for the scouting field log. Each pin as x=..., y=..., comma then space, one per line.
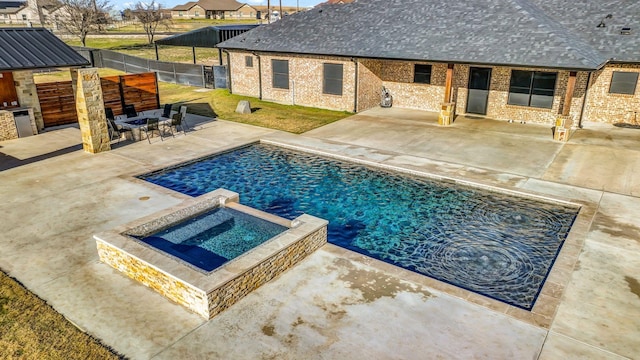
x=486, y=100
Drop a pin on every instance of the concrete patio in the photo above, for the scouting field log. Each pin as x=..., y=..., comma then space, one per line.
x=335, y=304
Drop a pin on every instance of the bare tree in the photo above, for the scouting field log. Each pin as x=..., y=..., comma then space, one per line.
x=150, y=16
x=82, y=17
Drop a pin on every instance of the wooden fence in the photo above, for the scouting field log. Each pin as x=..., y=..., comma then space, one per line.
x=57, y=103
x=59, y=106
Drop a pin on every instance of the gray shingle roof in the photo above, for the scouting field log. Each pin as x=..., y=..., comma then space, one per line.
x=35, y=48
x=541, y=33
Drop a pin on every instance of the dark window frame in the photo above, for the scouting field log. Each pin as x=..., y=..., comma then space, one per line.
x=420, y=73
x=615, y=88
x=331, y=84
x=535, y=94
x=279, y=78
x=248, y=61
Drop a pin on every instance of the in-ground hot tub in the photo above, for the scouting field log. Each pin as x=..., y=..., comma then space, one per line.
x=211, y=251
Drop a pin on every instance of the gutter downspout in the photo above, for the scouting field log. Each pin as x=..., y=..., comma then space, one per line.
x=259, y=75
x=355, y=86
x=228, y=70
x=584, y=101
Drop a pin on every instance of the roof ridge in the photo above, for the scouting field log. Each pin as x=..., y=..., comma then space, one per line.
x=565, y=34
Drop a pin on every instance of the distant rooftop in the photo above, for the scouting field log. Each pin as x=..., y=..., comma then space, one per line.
x=206, y=37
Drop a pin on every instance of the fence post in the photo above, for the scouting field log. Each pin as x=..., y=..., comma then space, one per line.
x=175, y=77
x=204, y=79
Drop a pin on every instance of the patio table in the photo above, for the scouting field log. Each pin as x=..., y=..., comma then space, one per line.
x=136, y=123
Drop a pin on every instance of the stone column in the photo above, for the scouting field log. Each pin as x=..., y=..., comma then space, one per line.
x=448, y=109
x=28, y=94
x=90, y=107
x=8, y=128
x=447, y=113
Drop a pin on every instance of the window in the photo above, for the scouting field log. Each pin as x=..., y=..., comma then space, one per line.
x=623, y=82
x=197, y=13
x=280, y=70
x=248, y=61
x=332, y=79
x=180, y=13
x=532, y=88
x=24, y=17
x=422, y=74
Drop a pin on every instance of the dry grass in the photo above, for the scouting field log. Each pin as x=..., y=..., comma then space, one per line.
x=31, y=329
x=220, y=103
x=179, y=25
x=65, y=75
x=137, y=46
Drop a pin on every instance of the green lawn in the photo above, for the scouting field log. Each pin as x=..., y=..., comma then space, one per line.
x=31, y=329
x=221, y=103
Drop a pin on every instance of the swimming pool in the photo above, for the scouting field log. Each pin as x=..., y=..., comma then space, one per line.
x=491, y=243
x=214, y=237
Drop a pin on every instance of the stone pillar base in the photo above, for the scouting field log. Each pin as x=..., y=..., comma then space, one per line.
x=562, y=130
x=447, y=113
x=561, y=134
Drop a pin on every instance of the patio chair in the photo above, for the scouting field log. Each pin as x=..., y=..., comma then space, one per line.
x=166, y=113
x=183, y=111
x=130, y=111
x=177, y=120
x=115, y=129
x=152, y=125
x=109, y=113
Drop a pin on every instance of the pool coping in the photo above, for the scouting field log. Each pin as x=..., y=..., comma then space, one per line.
x=197, y=283
x=549, y=297
x=557, y=279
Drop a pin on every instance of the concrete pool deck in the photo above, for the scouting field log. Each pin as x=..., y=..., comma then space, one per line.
x=334, y=304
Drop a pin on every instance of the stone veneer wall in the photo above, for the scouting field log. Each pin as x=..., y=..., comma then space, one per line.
x=28, y=95
x=244, y=80
x=175, y=289
x=604, y=107
x=305, y=74
x=217, y=300
x=90, y=106
x=305, y=80
x=8, y=128
x=497, y=107
x=369, y=84
x=227, y=295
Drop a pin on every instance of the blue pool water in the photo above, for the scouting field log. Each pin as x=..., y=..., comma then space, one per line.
x=214, y=237
x=490, y=243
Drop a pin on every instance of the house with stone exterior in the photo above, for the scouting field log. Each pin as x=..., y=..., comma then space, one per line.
x=536, y=61
x=214, y=9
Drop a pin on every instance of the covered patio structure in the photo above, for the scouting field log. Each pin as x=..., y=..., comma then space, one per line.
x=25, y=50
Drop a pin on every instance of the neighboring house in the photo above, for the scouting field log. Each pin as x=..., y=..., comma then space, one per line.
x=214, y=9
x=541, y=61
x=10, y=11
x=26, y=12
